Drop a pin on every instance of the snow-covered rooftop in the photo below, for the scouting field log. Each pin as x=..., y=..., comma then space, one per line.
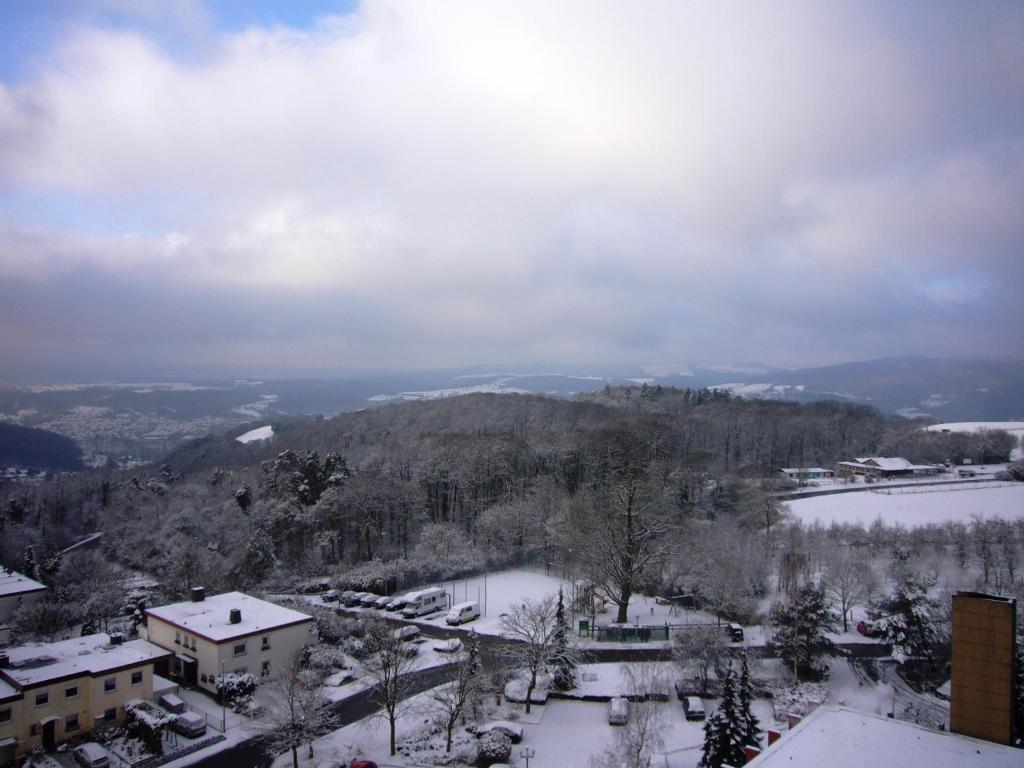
x=89, y=655
x=211, y=618
x=842, y=738
x=793, y=470
x=14, y=583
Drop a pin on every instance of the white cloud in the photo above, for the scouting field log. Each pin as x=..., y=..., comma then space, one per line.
x=577, y=179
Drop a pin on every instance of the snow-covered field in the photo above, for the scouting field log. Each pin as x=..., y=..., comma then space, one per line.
x=914, y=506
x=1015, y=428
x=260, y=433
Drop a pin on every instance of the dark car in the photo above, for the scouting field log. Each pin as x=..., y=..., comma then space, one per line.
x=734, y=632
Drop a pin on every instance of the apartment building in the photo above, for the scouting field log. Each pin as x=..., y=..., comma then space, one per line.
x=50, y=692
x=231, y=632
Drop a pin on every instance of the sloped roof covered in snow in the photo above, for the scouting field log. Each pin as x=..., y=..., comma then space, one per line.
x=842, y=738
x=41, y=663
x=13, y=583
x=211, y=618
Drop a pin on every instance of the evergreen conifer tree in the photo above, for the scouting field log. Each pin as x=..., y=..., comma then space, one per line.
x=564, y=667
x=723, y=734
x=31, y=568
x=750, y=727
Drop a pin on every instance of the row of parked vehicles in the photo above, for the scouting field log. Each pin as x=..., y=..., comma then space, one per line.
x=409, y=606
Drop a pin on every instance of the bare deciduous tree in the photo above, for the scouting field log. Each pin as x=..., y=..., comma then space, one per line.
x=847, y=581
x=699, y=648
x=622, y=531
x=534, y=627
x=643, y=734
x=465, y=686
x=295, y=713
x=388, y=666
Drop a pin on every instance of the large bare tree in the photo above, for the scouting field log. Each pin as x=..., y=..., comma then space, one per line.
x=620, y=530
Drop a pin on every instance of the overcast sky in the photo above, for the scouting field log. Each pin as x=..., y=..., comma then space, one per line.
x=207, y=186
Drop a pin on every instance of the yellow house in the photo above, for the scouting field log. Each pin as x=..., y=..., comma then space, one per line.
x=232, y=632
x=50, y=692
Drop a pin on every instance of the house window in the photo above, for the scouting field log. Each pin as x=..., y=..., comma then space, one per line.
x=239, y=649
x=42, y=699
x=137, y=677
x=266, y=669
x=34, y=730
x=110, y=684
x=265, y=644
x=177, y=638
x=71, y=722
x=193, y=643
x=110, y=714
x=71, y=692
x=5, y=715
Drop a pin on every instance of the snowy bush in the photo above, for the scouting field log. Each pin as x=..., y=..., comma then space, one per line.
x=236, y=687
x=493, y=747
x=324, y=658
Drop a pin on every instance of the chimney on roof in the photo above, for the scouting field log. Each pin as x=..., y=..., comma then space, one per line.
x=198, y=594
x=236, y=616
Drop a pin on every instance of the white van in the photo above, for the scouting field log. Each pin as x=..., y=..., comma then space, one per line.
x=460, y=613
x=618, y=711
x=424, y=602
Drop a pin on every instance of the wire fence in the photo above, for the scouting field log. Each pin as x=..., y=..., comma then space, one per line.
x=950, y=488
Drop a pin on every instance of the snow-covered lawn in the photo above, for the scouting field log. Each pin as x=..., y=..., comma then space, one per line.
x=1015, y=428
x=917, y=506
x=260, y=433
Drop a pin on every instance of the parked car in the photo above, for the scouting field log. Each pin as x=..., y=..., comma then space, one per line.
x=331, y=595
x=91, y=755
x=734, y=632
x=397, y=603
x=460, y=613
x=408, y=633
x=382, y=603
x=354, y=599
x=868, y=629
x=681, y=689
x=513, y=730
x=452, y=645
x=190, y=724
x=368, y=599
x=618, y=711
x=346, y=595
x=693, y=708
x=363, y=764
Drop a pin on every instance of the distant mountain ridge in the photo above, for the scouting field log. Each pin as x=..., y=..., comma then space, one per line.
x=146, y=420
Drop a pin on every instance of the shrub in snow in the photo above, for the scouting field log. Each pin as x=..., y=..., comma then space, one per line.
x=236, y=687
x=493, y=747
x=324, y=658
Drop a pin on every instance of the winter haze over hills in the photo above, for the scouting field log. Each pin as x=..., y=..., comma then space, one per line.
x=146, y=419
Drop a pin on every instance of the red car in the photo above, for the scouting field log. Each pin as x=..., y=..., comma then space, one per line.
x=363, y=764
x=868, y=629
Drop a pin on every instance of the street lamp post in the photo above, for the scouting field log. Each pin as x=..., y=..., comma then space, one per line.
x=526, y=753
x=223, y=706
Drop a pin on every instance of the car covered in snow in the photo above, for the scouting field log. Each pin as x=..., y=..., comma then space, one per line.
x=91, y=755
x=693, y=708
x=451, y=645
x=618, y=711
x=407, y=634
